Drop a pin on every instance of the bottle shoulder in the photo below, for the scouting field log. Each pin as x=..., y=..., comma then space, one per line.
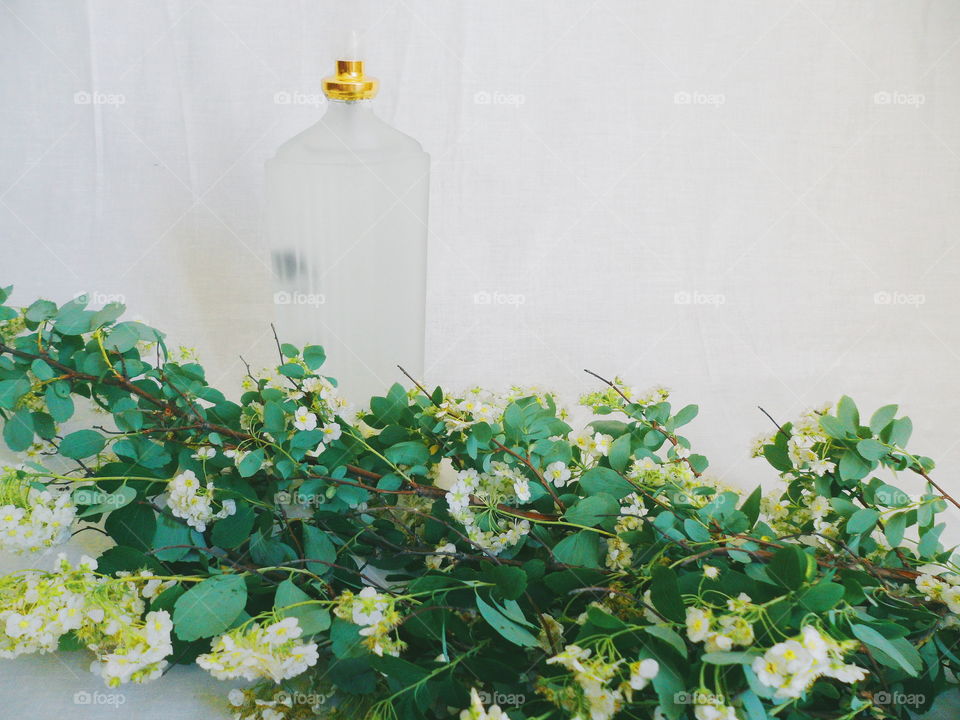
x=347, y=137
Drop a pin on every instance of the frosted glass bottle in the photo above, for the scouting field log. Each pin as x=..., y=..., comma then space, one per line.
x=346, y=224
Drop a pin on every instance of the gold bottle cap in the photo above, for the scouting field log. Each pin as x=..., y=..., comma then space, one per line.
x=350, y=83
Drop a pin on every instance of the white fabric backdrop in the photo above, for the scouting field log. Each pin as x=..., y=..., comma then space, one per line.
x=753, y=202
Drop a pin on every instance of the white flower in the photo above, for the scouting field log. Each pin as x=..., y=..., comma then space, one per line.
x=33, y=519
x=711, y=571
x=821, y=466
x=283, y=631
x=189, y=502
x=521, y=489
x=303, y=419
x=698, y=624
x=331, y=432
x=369, y=607
x=641, y=673
x=253, y=652
x=557, y=473
x=205, y=453
x=601, y=443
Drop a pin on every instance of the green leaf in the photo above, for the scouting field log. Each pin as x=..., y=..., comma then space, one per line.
x=853, y=467
x=751, y=506
x=42, y=370
x=892, y=655
x=345, y=639
x=900, y=432
x=882, y=417
x=580, y=549
x=123, y=336
x=604, y=480
x=60, y=408
x=833, y=427
x=894, y=529
x=510, y=581
x=929, y=543
x=18, y=431
x=506, y=627
x=210, y=607
x=685, y=415
x=620, y=451
x=234, y=529
x=318, y=546
x=41, y=310
x=822, y=597
x=12, y=390
x=593, y=510
x=848, y=415
x=82, y=444
x=312, y=618
x=665, y=594
x=862, y=521
x=274, y=419
x=788, y=567
x=410, y=452
x=672, y=638
x=871, y=449
x=314, y=356
x=292, y=370
x=251, y=464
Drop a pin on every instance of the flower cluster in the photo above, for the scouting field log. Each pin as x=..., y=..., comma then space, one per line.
x=436, y=562
x=503, y=484
x=598, y=698
x=105, y=614
x=377, y=616
x=133, y=651
x=32, y=519
x=476, y=710
x=187, y=500
x=592, y=445
x=610, y=397
x=806, y=444
x=712, y=707
x=254, y=651
x=790, y=667
x=945, y=589
x=460, y=412
x=719, y=633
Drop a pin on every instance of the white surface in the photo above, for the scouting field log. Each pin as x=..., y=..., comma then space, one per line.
x=570, y=173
